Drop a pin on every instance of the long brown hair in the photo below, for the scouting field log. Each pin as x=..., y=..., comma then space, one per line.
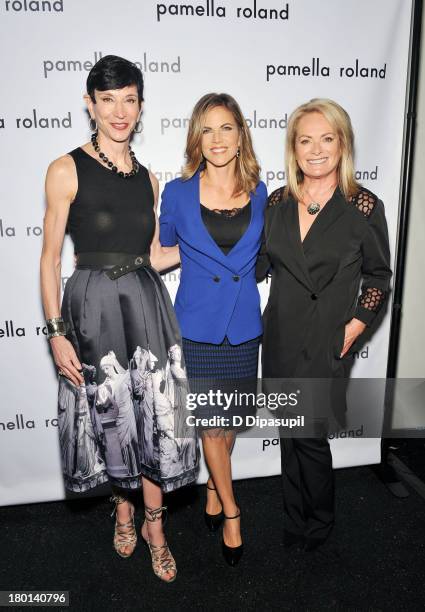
x=247, y=167
x=341, y=123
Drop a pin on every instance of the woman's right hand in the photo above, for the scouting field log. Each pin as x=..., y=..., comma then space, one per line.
x=66, y=359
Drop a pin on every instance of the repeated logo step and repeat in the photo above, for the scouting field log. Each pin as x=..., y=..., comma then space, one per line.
x=271, y=56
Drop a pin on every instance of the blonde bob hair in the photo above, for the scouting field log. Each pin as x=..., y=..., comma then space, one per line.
x=247, y=167
x=341, y=124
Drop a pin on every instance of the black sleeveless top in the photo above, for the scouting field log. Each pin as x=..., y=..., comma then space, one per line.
x=110, y=213
x=226, y=227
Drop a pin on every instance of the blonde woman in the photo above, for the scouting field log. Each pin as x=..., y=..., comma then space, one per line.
x=325, y=235
x=215, y=215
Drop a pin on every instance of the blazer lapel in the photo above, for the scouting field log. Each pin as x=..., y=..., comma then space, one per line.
x=200, y=238
x=238, y=255
x=333, y=210
x=294, y=258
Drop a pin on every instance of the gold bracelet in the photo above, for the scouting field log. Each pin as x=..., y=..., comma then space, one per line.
x=55, y=334
x=56, y=327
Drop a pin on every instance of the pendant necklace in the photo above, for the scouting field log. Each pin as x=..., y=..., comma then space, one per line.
x=314, y=207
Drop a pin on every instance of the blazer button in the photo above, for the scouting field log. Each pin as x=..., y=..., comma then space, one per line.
x=216, y=279
x=314, y=296
x=236, y=278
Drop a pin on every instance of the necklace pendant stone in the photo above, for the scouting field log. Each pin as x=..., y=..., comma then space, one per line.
x=313, y=208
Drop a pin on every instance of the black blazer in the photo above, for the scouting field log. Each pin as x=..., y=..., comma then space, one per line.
x=315, y=284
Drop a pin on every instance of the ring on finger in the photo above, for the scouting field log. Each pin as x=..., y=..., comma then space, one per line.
x=61, y=372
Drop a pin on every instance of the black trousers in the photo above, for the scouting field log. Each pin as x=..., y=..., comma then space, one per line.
x=308, y=485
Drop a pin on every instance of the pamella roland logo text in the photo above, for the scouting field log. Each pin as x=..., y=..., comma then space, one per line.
x=146, y=64
x=316, y=68
x=34, y=6
x=213, y=8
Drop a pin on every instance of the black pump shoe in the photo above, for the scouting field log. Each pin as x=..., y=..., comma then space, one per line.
x=232, y=554
x=213, y=521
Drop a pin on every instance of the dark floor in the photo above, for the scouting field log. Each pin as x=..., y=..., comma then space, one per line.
x=412, y=452
x=374, y=560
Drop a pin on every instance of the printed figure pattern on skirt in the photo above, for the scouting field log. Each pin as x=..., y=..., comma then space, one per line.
x=128, y=419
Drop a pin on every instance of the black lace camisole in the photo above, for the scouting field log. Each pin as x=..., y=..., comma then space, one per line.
x=226, y=227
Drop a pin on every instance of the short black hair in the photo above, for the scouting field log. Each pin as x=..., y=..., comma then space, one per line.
x=113, y=72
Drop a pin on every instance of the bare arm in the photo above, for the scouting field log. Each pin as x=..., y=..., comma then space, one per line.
x=61, y=187
x=162, y=258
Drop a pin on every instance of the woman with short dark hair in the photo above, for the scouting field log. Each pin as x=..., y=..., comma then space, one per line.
x=116, y=415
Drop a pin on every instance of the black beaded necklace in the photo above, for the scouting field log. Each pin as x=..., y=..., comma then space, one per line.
x=111, y=165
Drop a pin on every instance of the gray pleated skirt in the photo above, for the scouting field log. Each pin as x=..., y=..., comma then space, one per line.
x=128, y=419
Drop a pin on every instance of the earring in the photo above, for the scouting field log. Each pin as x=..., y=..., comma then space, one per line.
x=138, y=128
x=238, y=152
x=93, y=124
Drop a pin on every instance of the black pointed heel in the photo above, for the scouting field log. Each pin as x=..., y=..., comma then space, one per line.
x=232, y=554
x=213, y=521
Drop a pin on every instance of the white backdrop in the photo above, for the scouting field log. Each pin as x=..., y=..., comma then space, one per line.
x=271, y=56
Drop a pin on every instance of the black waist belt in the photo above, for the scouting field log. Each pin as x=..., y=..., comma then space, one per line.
x=114, y=264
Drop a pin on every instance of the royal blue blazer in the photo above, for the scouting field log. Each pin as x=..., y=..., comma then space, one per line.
x=218, y=294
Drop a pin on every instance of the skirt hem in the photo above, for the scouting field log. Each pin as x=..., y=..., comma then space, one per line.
x=134, y=483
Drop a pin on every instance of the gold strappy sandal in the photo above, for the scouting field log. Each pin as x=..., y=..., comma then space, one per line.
x=125, y=533
x=162, y=559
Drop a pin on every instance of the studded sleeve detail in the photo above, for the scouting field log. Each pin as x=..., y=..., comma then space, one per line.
x=372, y=298
x=275, y=197
x=365, y=201
x=376, y=269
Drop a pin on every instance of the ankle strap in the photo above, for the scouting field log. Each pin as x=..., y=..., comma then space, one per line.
x=117, y=500
x=155, y=514
x=233, y=517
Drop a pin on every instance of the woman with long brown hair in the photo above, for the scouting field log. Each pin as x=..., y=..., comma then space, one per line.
x=215, y=214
